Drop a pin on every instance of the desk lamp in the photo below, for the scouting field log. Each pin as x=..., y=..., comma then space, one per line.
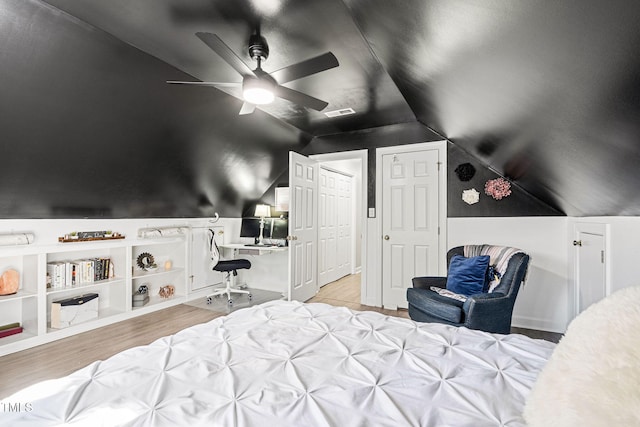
x=262, y=211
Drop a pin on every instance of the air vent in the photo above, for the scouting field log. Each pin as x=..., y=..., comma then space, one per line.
x=340, y=112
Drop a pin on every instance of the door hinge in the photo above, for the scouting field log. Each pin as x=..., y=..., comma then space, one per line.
x=439, y=164
x=602, y=257
x=438, y=230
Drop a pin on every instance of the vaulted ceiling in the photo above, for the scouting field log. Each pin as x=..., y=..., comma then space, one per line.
x=544, y=93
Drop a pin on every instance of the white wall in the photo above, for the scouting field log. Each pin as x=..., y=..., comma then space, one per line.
x=545, y=302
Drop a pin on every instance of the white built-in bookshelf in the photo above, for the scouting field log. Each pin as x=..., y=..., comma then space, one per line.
x=31, y=305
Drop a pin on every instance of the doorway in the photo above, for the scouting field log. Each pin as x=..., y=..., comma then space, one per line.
x=352, y=165
x=335, y=225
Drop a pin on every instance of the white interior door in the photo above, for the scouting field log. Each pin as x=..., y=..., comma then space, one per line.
x=335, y=226
x=327, y=230
x=590, y=264
x=410, y=220
x=303, y=227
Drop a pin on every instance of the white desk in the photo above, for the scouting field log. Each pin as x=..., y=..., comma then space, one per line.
x=240, y=248
x=270, y=273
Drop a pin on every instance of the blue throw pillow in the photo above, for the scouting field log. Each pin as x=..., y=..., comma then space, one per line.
x=467, y=276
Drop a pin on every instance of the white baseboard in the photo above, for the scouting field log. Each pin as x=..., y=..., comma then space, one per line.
x=537, y=324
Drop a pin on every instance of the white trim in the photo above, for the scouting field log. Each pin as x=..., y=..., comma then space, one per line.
x=330, y=169
x=361, y=155
x=537, y=323
x=441, y=146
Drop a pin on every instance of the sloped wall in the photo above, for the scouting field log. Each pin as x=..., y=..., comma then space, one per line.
x=89, y=128
x=519, y=203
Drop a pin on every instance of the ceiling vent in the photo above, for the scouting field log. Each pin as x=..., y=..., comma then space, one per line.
x=340, y=112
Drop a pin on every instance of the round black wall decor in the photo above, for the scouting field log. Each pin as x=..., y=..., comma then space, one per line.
x=465, y=171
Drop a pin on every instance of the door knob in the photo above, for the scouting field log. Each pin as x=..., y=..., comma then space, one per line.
x=577, y=243
x=386, y=237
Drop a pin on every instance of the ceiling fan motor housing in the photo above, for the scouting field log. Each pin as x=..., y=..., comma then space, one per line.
x=258, y=48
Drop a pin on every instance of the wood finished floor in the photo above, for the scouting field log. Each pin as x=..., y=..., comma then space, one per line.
x=62, y=357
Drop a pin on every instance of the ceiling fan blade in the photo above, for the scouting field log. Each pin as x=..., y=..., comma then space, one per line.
x=225, y=52
x=305, y=68
x=300, y=98
x=247, y=108
x=216, y=84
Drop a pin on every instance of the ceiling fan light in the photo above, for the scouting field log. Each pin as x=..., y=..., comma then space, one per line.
x=258, y=95
x=257, y=91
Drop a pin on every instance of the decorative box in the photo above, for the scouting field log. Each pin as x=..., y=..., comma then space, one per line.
x=139, y=299
x=71, y=311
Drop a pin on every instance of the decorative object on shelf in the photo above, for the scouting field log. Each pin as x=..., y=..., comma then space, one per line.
x=168, y=264
x=465, y=171
x=16, y=239
x=143, y=289
x=89, y=236
x=71, y=311
x=498, y=188
x=471, y=196
x=152, y=233
x=166, y=291
x=9, y=282
x=146, y=262
x=140, y=299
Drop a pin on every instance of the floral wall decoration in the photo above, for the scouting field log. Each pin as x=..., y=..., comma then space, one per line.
x=498, y=188
x=465, y=171
x=471, y=196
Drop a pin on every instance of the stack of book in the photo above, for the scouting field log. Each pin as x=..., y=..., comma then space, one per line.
x=10, y=329
x=65, y=274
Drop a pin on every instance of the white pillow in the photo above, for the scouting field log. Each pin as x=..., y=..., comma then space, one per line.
x=593, y=376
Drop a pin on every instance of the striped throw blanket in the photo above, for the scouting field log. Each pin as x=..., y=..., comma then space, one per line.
x=499, y=258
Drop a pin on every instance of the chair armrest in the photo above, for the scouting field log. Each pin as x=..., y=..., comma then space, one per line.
x=426, y=282
x=488, y=312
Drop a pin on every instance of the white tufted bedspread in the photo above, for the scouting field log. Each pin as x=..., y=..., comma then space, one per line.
x=293, y=364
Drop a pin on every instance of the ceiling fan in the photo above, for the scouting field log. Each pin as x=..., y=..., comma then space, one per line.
x=260, y=87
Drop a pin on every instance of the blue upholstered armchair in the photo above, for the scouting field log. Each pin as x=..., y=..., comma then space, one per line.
x=490, y=312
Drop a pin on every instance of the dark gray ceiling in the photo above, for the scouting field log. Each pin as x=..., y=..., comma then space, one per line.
x=545, y=93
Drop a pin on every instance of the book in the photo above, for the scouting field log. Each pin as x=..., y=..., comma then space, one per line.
x=11, y=331
x=9, y=326
x=56, y=271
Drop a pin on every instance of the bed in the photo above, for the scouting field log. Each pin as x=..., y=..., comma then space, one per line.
x=294, y=364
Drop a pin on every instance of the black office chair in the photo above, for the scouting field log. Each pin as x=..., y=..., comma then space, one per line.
x=230, y=267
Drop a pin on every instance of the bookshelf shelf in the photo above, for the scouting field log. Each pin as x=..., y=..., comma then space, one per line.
x=31, y=305
x=83, y=287
x=156, y=302
x=24, y=335
x=17, y=296
x=161, y=272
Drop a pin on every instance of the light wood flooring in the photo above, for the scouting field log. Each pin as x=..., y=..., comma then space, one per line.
x=346, y=293
x=62, y=357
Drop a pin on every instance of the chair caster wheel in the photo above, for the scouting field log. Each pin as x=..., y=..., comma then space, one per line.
x=250, y=296
x=230, y=301
x=209, y=300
